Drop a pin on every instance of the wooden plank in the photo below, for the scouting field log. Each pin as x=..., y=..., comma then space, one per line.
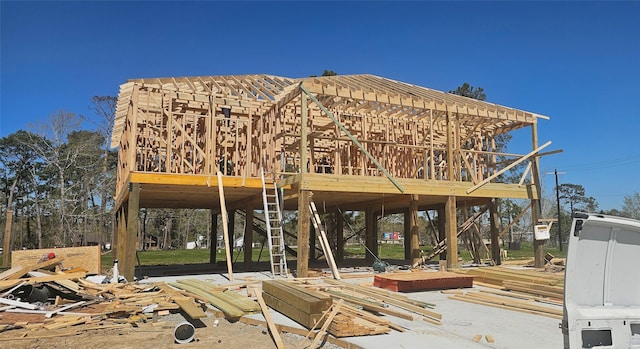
x=4, y=284
x=189, y=307
x=10, y=272
x=229, y=310
x=507, y=168
x=86, y=257
x=371, y=307
x=243, y=303
x=482, y=302
x=326, y=247
x=300, y=332
x=326, y=324
x=272, y=328
x=225, y=227
x=40, y=265
x=398, y=302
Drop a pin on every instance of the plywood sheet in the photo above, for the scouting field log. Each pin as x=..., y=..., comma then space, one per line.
x=86, y=257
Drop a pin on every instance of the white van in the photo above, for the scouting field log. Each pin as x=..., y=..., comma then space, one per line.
x=602, y=283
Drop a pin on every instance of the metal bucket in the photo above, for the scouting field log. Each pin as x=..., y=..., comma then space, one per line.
x=184, y=332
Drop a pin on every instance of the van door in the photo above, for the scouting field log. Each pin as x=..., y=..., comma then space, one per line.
x=602, y=283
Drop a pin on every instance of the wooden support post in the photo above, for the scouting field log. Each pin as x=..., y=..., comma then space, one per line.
x=248, y=237
x=450, y=148
x=127, y=265
x=536, y=210
x=121, y=233
x=267, y=316
x=304, y=158
x=413, y=223
x=451, y=232
x=371, y=240
x=213, y=240
x=407, y=234
x=303, y=233
x=538, y=245
x=339, y=237
x=7, y=239
x=442, y=230
x=494, y=222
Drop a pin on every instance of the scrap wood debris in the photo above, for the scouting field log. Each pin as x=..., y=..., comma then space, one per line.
x=42, y=300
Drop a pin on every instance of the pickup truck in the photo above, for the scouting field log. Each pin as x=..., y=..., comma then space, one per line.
x=602, y=283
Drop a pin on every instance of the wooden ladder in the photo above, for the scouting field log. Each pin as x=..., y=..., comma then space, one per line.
x=275, y=233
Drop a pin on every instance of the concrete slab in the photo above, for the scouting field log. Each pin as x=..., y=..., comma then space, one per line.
x=461, y=321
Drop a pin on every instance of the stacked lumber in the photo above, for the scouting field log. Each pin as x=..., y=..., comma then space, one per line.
x=309, y=307
x=349, y=325
x=507, y=301
x=421, y=281
x=299, y=304
x=230, y=303
x=391, y=298
x=534, y=283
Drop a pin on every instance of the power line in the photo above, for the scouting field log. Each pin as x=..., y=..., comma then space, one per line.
x=606, y=163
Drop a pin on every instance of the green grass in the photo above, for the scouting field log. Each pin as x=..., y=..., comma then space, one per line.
x=386, y=251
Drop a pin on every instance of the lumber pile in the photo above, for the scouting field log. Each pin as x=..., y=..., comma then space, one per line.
x=301, y=305
x=421, y=281
x=42, y=296
x=230, y=303
x=530, y=282
x=513, y=302
x=362, y=312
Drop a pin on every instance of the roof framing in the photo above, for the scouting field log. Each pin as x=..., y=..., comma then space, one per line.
x=357, y=94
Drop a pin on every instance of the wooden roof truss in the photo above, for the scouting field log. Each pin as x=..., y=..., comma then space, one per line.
x=239, y=123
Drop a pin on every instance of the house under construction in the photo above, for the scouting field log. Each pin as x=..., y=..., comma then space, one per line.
x=351, y=143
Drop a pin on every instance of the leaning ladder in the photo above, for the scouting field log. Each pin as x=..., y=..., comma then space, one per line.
x=275, y=234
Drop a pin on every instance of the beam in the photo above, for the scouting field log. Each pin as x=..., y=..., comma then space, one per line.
x=507, y=168
x=371, y=239
x=536, y=209
x=303, y=233
x=451, y=232
x=248, y=237
x=413, y=224
x=407, y=234
x=129, y=253
x=495, y=236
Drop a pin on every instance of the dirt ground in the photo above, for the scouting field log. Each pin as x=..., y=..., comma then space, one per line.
x=150, y=336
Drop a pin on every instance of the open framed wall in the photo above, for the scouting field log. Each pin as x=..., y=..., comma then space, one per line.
x=351, y=141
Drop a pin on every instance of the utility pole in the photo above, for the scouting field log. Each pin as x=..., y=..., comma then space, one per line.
x=558, y=202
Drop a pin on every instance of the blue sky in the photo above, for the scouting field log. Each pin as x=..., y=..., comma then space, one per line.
x=577, y=62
